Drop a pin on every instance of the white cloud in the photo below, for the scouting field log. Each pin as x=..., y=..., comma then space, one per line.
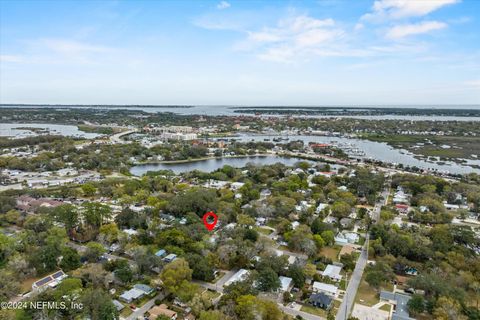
x=399, y=9
x=223, y=5
x=404, y=30
x=359, y=26
x=72, y=47
x=292, y=37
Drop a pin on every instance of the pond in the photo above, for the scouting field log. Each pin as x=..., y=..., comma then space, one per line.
x=20, y=130
x=212, y=164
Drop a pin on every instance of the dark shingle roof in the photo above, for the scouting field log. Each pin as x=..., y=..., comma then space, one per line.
x=320, y=298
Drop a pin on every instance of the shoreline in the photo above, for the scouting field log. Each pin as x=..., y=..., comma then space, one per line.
x=206, y=158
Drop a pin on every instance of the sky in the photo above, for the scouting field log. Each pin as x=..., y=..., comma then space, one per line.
x=350, y=52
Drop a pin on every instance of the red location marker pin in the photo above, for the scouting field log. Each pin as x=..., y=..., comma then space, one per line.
x=211, y=225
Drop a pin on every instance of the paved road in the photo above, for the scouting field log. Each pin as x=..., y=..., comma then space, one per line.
x=293, y=312
x=349, y=297
x=218, y=286
x=117, y=138
x=143, y=309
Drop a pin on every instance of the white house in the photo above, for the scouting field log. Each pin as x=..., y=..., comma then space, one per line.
x=328, y=289
x=241, y=275
x=285, y=283
x=320, y=207
x=333, y=272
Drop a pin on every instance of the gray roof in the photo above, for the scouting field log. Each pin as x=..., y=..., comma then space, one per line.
x=321, y=298
x=132, y=294
x=118, y=305
x=143, y=287
x=401, y=302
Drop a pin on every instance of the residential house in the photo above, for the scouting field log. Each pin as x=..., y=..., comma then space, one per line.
x=118, y=305
x=30, y=205
x=400, y=303
x=333, y=272
x=240, y=275
x=321, y=300
x=161, y=310
x=50, y=281
x=321, y=207
x=147, y=290
x=170, y=258
x=236, y=185
x=260, y=221
x=328, y=289
x=160, y=253
x=131, y=295
x=285, y=283
x=265, y=193
x=402, y=208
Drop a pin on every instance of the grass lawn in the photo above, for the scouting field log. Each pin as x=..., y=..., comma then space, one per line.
x=313, y=310
x=272, y=223
x=386, y=307
x=366, y=295
x=283, y=248
x=264, y=231
x=126, y=312
x=212, y=294
x=343, y=284
x=331, y=252
x=361, y=241
x=26, y=285
x=142, y=301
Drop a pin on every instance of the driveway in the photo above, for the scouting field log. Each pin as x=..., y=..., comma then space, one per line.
x=304, y=315
x=218, y=286
x=139, y=312
x=369, y=313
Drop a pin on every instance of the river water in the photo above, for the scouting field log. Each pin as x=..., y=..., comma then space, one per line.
x=372, y=150
x=12, y=130
x=229, y=111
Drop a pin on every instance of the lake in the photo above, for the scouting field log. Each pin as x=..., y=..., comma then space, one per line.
x=373, y=150
x=12, y=130
x=212, y=164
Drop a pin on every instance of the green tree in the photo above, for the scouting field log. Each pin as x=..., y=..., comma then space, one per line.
x=341, y=209
x=298, y=276
x=94, y=251
x=348, y=261
x=175, y=273
x=67, y=214
x=416, y=304
x=448, y=309
x=213, y=315
x=268, y=280
x=328, y=236
x=96, y=213
x=202, y=269
x=98, y=305
x=9, y=286
x=70, y=259
x=89, y=189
